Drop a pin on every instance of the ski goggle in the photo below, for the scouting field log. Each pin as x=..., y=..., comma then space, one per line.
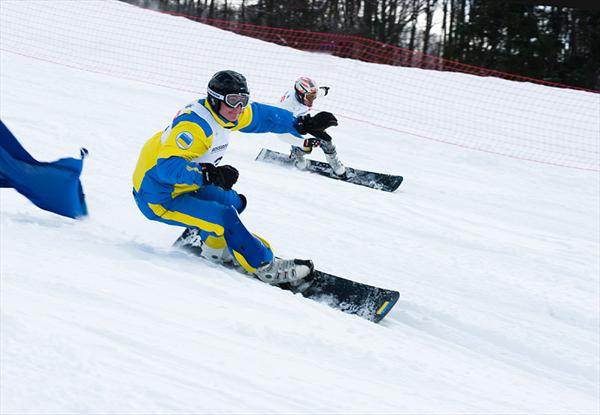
x=310, y=96
x=231, y=100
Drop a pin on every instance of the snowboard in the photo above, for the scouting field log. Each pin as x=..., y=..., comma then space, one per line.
x=352, y=297
x=379, y=181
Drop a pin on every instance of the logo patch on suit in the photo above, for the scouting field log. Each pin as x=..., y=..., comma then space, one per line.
x=184, y=140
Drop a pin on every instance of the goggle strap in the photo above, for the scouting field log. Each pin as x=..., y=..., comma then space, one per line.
x=215, y=94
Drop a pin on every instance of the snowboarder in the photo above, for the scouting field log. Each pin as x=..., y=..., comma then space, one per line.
x=299, y=101
x=178, y=180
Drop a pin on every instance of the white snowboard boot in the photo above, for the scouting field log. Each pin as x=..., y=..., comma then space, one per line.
x=213, y=249
x=331, y=155
x=282, y=271
x=216, y=255
x=297, y=155
x=335, y=163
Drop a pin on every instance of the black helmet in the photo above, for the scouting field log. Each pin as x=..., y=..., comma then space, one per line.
x=226, y=82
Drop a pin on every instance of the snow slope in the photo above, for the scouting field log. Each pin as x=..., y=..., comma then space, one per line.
x=496, y=259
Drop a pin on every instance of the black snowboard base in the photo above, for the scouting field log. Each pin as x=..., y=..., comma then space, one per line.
x=379, y=181
x=366, y=301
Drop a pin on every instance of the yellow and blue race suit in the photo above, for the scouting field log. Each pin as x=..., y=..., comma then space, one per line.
x=168, y=183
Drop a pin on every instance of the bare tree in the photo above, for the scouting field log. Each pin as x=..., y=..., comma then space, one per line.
x=430, y=6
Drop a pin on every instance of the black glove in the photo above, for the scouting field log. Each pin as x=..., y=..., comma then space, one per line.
x=325, y=90
x=322, y=136
x=311, y=125
x=222, y=176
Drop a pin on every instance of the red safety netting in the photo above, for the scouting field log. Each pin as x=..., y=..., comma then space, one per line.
x=367, y=50
x=412, y=95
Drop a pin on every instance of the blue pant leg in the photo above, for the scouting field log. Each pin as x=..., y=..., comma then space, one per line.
x=222, y=196
x=250, y=251
x=204, y=211
x=192, y=212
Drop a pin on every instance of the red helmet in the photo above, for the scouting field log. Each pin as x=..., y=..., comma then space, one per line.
x=306, y=90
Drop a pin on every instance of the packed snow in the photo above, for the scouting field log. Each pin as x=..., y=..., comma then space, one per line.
x=496, y=259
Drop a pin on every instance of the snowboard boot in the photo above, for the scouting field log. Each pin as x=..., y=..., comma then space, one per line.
x=215, y=250
x=281, y=271
x=332, y=158
x=297, y=155
x=336, y=164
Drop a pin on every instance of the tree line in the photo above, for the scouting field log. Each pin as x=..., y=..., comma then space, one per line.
x=552, y=43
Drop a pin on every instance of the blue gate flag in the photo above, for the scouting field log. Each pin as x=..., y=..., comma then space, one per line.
x=53, y=186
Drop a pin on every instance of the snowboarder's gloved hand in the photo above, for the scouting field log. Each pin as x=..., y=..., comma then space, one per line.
x=322, y=136
x=222, y=176
x=325, y=90
x=319, y=123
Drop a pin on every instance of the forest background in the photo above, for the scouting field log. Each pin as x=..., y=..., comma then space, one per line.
x=552, y=42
